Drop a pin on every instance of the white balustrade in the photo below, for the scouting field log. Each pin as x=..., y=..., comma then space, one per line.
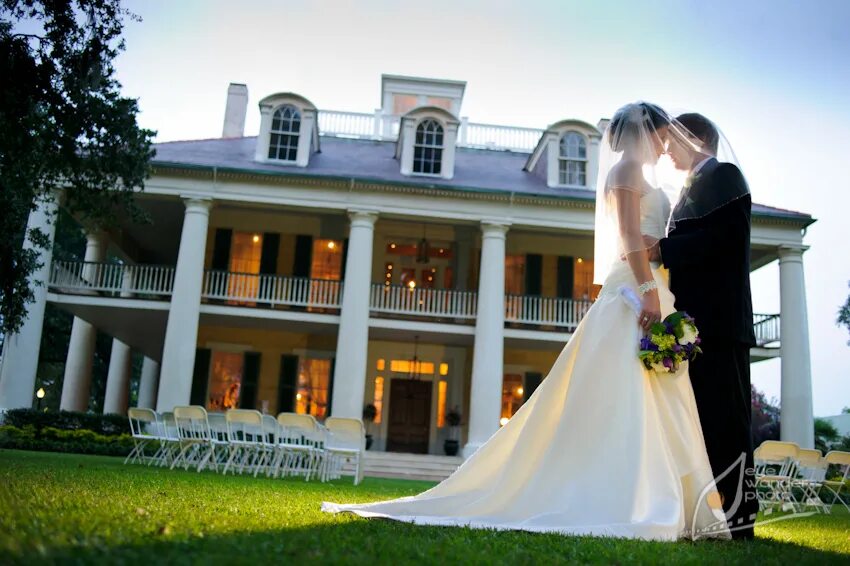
x=400, y=299
x=385, y=126
x=250, y=288
x=766, y=327
x=112, y=279
x=547, y=311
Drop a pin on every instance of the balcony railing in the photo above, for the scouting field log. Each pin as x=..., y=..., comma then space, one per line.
x=380, y=126
x=546, y=311
x=247, y=289
x=766, y=327
x=420, y=301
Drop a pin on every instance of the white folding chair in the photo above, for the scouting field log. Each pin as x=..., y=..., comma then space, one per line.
x=244, y=439
x=170, y=440
x=299, y=446
x=145, y=429
x=811, y=472
x=838, y=482
x=218, y=430
x=775, y=465
x=346, y=439
x=271, y=431
x=196, y=445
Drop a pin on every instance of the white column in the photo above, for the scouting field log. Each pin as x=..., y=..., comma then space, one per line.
x=20, y=350
x=181, y=331
x=148, y=384
x=353, y=337
x=118, y=379
x=76, y=385
x=796, y=418
x=485, y=399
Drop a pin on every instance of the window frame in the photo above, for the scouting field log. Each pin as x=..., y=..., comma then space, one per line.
x=441, y=148
x=564, y=159
x=295, y=136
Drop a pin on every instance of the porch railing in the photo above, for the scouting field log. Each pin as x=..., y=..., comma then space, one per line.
x=421, y=301
x=766, y=327
x=112, y=279
x=547, y=311
x=249, y=289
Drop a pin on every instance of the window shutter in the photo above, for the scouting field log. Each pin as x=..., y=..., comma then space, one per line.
x=344, y=258
x=532, y=382
x=565, y=277
x=287, y=383
x=221, y=249
x=533, y=274
x=303, y=255
x=250, y=381
x=200, y=377
x=268, y=259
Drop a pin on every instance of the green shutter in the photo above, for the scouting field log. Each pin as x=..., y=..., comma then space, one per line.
x=200, y=377
x=268, y=259
x=250, y=381
x=287, y=383
x=344, y=258
x=331, y=387
x=303, y=256
x=533, y=274
x=532, y=382
x=221, y=249
x=565, y=277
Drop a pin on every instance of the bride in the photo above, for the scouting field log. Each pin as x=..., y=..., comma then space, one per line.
x=603, y=447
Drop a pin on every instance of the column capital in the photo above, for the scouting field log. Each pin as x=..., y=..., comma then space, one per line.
x=363, y=217
x=791, y=252
x=495, y=227
x=195, y=203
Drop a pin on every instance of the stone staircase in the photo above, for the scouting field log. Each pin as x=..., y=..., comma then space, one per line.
x=407, y=466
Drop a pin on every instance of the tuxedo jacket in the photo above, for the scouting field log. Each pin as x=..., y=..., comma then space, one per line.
x=708, y=254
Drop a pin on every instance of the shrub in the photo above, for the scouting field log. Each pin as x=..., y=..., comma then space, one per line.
x=50, y=439
x=106, y=425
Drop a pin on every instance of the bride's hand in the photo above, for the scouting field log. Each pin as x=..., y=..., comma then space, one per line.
x=650, y=312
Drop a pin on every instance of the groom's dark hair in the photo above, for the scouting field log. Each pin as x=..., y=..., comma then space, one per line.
x=702, y=128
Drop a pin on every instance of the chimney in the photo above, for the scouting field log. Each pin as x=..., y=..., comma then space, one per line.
x=602, y=124
x=234, y=112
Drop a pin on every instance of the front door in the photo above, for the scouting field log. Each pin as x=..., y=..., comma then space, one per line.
x=410, y=416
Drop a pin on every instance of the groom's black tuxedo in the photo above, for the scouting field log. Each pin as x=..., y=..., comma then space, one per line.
x=708, y=255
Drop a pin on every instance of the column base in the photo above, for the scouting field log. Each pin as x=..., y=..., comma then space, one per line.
x=470, y=448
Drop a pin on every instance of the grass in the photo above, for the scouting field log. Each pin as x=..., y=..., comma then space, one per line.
x=62, y=508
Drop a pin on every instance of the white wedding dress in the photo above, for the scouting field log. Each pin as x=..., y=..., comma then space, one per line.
x=603, y=447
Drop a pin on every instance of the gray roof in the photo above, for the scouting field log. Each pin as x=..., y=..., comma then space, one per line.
x=481, y=170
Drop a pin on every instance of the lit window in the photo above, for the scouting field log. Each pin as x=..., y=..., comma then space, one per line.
x=378, y=401
x=428, y=148
x=444, y=369
x=246, y=251
x=381, y=364
x=572, y=162
x=511, y=394
x=404, y=366
x=583, y=287
x=225, y=380
x=327, y=260
x=311, y=396
x=286, y=124
x=442, y=388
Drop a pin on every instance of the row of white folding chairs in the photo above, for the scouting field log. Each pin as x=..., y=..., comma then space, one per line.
x=242, y=440
x=784, y=470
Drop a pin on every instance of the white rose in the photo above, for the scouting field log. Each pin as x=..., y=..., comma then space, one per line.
x=689, y=335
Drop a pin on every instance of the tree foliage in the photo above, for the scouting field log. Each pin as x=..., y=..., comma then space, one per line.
x=63, y=125
x=844, y=314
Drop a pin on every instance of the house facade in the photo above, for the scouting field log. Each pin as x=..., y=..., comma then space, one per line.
x=405, y=258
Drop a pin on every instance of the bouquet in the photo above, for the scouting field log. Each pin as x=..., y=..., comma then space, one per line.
x=669, y=342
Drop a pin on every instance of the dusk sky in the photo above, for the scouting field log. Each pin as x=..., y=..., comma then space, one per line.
x=773, y=75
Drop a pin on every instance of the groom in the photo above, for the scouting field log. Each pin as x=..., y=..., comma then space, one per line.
x=707, y=252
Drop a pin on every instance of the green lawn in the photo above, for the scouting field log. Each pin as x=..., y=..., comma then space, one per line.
x=70, y=508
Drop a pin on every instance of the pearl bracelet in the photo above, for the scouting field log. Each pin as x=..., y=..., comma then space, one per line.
x=646, y=287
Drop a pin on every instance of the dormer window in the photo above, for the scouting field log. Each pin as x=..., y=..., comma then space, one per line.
x=428, y=148
x=572, y=160
x=426, y=142
x=283, y=140
x=566, y=155
x=289, y=130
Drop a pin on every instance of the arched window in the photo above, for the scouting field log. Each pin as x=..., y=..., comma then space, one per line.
x=572, y=161
x=286, y=124
x=428, y=148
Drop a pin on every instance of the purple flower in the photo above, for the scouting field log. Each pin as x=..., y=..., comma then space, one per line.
x=698, y=340
x=644, y=343
x=677, y=348
x=668, y=363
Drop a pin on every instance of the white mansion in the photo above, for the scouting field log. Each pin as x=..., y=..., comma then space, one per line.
x=405, y=258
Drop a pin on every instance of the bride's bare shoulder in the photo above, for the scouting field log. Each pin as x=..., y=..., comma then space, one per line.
x=626, y=174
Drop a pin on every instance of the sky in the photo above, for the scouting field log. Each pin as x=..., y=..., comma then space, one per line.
x=774, y=75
